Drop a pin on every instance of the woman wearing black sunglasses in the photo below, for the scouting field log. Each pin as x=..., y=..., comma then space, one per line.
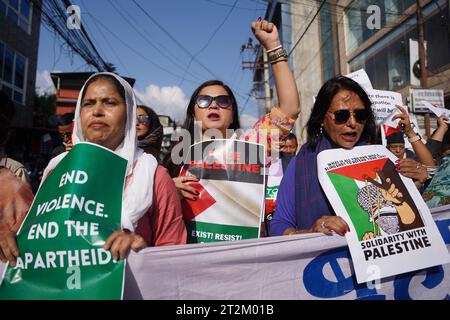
x=341, y=118
x=213, y=107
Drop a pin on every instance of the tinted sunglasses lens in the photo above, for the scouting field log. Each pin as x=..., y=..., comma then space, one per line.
x=141, y=119
x=341, y=116
x=361, y=115
x=204, y=101
x=223, y=101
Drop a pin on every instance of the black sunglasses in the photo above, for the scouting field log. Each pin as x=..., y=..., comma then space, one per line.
x=342, y=116
x=204, y=101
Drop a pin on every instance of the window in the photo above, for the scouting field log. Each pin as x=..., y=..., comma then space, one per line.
x=14, y=4
x=2, y=54
x=387, y=61
x=13, y=69
x=9, y=64
x=18, y=11
x=20, y=71
x=2, y=8
x=357, y=18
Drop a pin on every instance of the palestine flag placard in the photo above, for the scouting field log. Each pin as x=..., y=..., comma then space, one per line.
x=391, y=228
x=229, y=206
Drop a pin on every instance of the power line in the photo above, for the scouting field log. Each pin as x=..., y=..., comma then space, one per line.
x=53, y=14
x=210, y=39
x=108, y=44
x=150, y=42
x=134, y=50
x=307, y=28
x=173, y=38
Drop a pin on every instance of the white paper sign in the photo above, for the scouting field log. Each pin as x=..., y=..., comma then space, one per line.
x=362, y=78
x=391, y=228
x=383, y=106
x=438, y=111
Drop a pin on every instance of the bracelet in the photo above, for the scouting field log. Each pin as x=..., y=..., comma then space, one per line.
x=280, y=53
x=273, y=49
x=414, y=139
x=278, y=60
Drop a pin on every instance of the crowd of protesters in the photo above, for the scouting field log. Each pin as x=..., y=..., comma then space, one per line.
x=107, y=115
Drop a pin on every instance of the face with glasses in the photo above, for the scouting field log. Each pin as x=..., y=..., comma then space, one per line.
x=214, y=108
x=142, y=123
x=345, y=119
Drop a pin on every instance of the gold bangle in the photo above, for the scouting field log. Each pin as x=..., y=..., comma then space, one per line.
x=278, y=60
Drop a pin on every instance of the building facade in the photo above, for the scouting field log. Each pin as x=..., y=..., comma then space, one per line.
x=334, y=37
x=20, y=22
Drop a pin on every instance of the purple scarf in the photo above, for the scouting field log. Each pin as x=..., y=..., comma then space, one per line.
x=310, y=200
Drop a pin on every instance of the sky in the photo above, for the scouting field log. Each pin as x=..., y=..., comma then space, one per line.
x=211, y=30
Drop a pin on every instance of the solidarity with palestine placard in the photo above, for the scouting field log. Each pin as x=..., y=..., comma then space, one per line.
x=61, y=240
x=391, y=228
x=231, y=190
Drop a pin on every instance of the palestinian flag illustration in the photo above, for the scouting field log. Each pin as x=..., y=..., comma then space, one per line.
x=375, y=198
x=231, y=191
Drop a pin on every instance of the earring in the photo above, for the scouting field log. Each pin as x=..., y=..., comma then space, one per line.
x=321, y=130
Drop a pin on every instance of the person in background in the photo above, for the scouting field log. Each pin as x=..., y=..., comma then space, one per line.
x=396, y=144
x=437, y=193
x=291, y=145
x=7, y=111
x=149, y=131
x=65, y=126
x=434, y=143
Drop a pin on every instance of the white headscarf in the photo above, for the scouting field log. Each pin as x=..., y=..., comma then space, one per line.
x=138, y=193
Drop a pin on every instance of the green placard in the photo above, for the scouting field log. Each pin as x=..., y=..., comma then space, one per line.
x=61, y=241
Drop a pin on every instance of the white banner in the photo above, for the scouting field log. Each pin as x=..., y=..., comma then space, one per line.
x=312, y=266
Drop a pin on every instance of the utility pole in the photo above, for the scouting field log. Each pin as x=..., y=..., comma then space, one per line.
x=422, y=60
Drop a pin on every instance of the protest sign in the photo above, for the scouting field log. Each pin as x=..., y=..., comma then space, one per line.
x=361, y=77
x=438, y=111
x=231, y=190
x=383, y=105
x=420, y=96
x=77, y=207
x=391, y=227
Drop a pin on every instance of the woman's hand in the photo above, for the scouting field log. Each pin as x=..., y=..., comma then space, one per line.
x=184, y=189
x=405, y=122
x=8, y=247
x=328, y=224
x=267, y=33
x=120, y=242
x=442, y=122
x=68, y=146
x=412, y=169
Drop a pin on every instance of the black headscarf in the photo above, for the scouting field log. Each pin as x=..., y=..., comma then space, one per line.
x=151, y=142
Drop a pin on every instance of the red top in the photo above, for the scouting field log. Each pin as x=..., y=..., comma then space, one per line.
x=163, y=224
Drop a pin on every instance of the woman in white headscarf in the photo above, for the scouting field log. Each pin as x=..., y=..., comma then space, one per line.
x=151, y=210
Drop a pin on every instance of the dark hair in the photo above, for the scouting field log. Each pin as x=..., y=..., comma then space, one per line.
x=291, y=136
x=152, y=140
x=120, y=89
x=66, y=119
x=174, y=169
x=323, y=102
x=190, y=112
